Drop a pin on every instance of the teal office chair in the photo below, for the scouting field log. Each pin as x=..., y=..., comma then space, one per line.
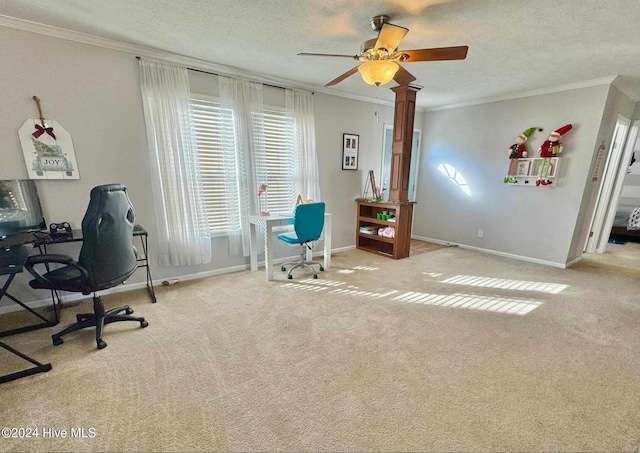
x=308, y=221
x=107, y=259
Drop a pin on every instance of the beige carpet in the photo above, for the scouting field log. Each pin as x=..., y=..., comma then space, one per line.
x=450, y=350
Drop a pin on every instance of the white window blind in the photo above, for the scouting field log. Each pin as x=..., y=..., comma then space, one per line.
x=278, y=163
x=217, y=163
x=218, y=167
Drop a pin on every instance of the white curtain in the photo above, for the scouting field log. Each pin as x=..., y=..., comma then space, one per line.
x=243, y=99
x=183, y=229
x=299, y=106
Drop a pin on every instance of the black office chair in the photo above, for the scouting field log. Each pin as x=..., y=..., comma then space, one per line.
x=107, y=259
x=308, y=221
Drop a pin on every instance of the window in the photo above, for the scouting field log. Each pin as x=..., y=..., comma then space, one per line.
x=217, y=164
x=276, y=164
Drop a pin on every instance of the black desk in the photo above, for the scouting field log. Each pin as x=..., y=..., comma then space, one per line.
x=15, y=249
x=37, y=366
x=13, y=253
x=43, y=239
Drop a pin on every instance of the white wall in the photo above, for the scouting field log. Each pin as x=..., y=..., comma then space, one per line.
x=616, y=104
x=533, y=222
x=335, y=116
x=94, y=93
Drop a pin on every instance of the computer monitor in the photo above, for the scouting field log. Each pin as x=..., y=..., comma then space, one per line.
x=20, y=209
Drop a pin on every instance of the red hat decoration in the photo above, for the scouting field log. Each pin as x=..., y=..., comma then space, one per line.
x=563, y=130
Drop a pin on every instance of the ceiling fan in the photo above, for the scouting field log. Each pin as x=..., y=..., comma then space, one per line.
x=380, y=56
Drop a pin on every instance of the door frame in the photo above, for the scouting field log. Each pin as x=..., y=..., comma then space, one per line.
x=611, y=185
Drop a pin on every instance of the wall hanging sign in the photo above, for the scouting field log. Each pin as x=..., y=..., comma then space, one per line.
x=350, y=143
x=47, y=148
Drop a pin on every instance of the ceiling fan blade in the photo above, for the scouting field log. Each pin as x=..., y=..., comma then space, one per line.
x=403, y=77
x=337, y=80
x=435, y=54
x=390, y=36
x=307, y=54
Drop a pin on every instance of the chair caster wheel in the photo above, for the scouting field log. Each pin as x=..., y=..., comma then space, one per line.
x=289, y=277
x=144, y=324
x=129, y=311
x=321, y=269
x=282, y=269
x=57, y=341
x=102, y=344
x=315, y=276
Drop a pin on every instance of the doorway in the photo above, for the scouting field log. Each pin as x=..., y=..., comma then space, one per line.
x=617, y=163
x=386, y=161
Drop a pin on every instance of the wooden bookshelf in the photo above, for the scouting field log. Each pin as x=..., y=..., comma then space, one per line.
x=396, y=247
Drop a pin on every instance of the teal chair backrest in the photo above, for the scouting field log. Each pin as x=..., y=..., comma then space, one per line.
x=308, y=221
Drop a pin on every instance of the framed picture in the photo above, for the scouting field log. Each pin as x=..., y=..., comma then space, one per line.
x=350, y=144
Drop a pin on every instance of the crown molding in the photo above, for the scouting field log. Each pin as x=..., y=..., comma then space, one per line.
x=626, y=89
x=523, y=94
x=191, y=62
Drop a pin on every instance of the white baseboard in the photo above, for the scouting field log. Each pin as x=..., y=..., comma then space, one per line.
x=495, y=252
x=341, y=249
x=572, y=262
x=435, y=241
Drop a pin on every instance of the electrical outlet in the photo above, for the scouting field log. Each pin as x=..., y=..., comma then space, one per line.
x=480, y=233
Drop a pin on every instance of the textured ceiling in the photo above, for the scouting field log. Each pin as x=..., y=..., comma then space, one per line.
x=515, y=46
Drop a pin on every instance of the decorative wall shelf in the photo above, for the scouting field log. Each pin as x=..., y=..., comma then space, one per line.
x=528, y=170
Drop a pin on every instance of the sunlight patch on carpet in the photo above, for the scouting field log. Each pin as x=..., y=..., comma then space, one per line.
x=473, y=302
x=366, y=268
x=303, y=287
x=432, y=274
x=357, y=268
x=518, y=285
x=313, y=281
x=351, y=290
x=498, y=304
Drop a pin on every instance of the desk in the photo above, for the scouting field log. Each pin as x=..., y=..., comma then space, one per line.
x=37, y=366
x=13, y=254
x=44, y=239
x=276, y=220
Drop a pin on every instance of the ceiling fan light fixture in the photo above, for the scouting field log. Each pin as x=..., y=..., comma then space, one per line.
x=378, y=72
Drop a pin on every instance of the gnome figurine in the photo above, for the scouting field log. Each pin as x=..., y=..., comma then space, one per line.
x=551, y=147
x=517, y=151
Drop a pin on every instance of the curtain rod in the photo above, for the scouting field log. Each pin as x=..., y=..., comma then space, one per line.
x=213, y=73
